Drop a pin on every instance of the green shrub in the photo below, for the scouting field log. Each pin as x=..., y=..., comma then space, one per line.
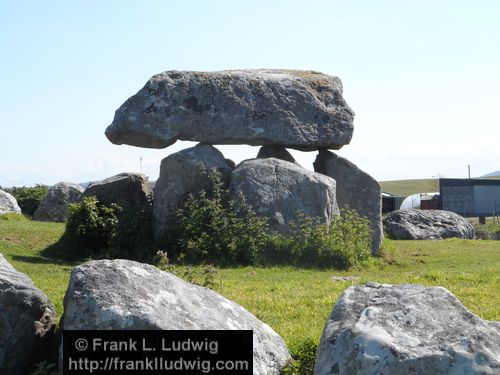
x=29, y=198
x=310, y=243
x=90, y=227
x=214, y=228
x=108, y=231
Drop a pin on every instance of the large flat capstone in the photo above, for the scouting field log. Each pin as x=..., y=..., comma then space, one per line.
x=304, y=110
x=122, y=294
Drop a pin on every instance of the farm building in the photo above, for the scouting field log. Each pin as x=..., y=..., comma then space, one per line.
x=470, y=197
x=391, y=202
x=420, y=200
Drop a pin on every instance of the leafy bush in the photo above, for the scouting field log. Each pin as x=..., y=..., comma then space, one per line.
x=107, y=231
x=310, y=243
x=29, y=198
x=91, y=227
x=214, y=228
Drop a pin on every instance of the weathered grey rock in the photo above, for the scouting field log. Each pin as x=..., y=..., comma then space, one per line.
x=122, y=294
x=8, y=204
x=27, y=320
x=278, y=189
x=298, y=109
x=181, y=174
x=54, y=206
x=406, y=329
x=427, y=225
x=125, y=189
x=357, y=190
x=275, y=151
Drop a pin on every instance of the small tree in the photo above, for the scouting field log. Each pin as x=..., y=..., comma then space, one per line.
x=212, y=227
x=91, y=227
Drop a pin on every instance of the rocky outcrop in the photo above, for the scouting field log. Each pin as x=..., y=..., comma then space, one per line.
x=406, y=329
x=181, y=174
x=8, y=204
x=27, y=320
x=427, y=225
x=122, y=294
x=304, y=110
x=357, y=190
x=278, y=190
x=275, y=151
x=54, y=206
x=125, y=189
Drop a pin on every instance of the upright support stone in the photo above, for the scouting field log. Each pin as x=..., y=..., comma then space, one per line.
x=181, y=174
x=279, y=190
x=275, y=151
x=357, y=190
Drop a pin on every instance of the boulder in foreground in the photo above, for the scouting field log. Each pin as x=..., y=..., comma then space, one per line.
x=304, y=110
x=122, y=294
x=27, y=321
x=406, y=329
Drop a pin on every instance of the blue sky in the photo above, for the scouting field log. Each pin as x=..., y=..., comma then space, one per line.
x=422, y=77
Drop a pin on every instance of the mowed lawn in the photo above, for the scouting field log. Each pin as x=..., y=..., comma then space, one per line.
x=296, y=302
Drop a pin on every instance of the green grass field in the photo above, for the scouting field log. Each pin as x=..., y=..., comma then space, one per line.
x=296, y=302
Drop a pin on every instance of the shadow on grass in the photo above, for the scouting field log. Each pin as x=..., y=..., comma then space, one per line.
x=37, y=260
x=58, y=253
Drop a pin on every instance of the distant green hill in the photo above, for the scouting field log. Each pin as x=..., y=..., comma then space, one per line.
x=409, y=187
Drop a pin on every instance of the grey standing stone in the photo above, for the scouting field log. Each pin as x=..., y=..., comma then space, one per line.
x=27, y=321
x=122, y=294
x=278, y=190
x=181, y=174
x=427, y=225
x=275, y=151
x=125, y=189
x=406, y=329
x=357, y=190
x=8, y=204
x=54, y=206
x=304, y=110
